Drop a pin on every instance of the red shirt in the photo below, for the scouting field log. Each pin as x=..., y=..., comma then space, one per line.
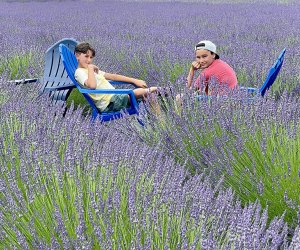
x=219, y=71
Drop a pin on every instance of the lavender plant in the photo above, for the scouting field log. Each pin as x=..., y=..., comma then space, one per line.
x=17, y=66
x=253, y=143
x=67, y=182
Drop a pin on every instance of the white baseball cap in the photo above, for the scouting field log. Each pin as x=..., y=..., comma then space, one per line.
x=208, y=45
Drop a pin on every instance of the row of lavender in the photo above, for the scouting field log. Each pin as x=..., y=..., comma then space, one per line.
x=68, y=183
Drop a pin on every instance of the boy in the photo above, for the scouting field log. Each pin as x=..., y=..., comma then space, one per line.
x=89, y=75
x=212, y=68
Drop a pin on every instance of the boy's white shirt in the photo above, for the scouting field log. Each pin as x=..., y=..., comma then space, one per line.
x=101, y=100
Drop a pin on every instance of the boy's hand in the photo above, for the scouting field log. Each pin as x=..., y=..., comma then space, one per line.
x=140, y=83
x=94, y=67
x=196, y=65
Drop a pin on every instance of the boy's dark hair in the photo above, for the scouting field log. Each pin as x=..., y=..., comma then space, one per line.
x=83, y=48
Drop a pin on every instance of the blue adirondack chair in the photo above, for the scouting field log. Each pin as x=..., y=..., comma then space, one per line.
x=55, y=79
x=270, y=79
x=70, y=62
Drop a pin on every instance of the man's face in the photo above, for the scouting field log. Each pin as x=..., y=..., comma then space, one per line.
x=204, y=57
x=84, y=59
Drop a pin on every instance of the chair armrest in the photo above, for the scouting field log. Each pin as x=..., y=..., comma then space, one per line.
x=105, y=91
x=203, y=97
x=57, y=88
x=24, y=81
x=120, y=83
x=249, y=89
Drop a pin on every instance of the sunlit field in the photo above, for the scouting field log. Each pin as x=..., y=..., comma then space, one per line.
x=213, y=174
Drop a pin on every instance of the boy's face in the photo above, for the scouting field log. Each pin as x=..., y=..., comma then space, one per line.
x=204, y=57
x=84, y=59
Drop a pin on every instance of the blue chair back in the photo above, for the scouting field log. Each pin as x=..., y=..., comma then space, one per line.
x=272, y=75
x=54, y=71
x=70, y=62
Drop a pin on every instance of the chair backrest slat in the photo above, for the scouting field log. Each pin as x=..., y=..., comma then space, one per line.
x=54, y=71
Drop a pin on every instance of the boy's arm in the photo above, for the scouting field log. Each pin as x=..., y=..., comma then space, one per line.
x=91, y=81
x=121, y=78
x=195, y=66
x=190, y=77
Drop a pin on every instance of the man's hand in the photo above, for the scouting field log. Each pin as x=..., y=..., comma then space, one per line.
x=196, y=65
x=140, y=83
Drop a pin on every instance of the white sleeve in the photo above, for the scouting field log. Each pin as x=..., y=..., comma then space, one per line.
x=100, y=72
x=81, y=76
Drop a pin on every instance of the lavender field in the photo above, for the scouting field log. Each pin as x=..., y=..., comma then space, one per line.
x=216, y=175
